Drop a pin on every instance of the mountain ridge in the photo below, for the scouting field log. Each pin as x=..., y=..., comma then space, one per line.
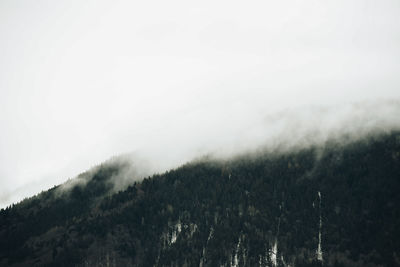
x=309, y=207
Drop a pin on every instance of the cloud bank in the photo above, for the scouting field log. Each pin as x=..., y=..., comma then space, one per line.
x=82, y=82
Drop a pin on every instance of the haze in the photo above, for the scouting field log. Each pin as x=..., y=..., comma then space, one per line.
x=81, y=81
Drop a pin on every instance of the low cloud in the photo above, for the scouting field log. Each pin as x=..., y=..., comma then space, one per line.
x=170, y=82
x=280, y=132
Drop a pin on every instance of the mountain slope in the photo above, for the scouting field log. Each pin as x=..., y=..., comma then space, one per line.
x=336, y=205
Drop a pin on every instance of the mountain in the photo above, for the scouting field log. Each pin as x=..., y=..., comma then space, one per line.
x=336, y=204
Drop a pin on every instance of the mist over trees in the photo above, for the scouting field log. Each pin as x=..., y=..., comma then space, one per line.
x=331, y=206
x=261, y=133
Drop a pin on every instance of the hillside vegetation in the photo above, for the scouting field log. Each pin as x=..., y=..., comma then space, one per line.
x=337, y=205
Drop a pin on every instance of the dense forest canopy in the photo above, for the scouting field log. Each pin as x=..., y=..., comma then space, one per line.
x=336, y=205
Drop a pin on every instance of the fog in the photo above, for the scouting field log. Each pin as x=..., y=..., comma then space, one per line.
x=169, y=81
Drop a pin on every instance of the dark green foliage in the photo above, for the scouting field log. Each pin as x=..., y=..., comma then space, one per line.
x=221, y=212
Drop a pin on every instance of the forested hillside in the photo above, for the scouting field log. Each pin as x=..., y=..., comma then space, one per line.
x=336, y=205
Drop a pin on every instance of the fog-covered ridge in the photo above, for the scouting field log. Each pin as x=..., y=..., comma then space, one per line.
x=172, y=80
x=319, y=206
x=280, y=132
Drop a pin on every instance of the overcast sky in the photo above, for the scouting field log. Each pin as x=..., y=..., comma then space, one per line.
x=81, y=81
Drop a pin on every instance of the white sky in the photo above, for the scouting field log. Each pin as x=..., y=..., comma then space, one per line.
x=81, y=81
